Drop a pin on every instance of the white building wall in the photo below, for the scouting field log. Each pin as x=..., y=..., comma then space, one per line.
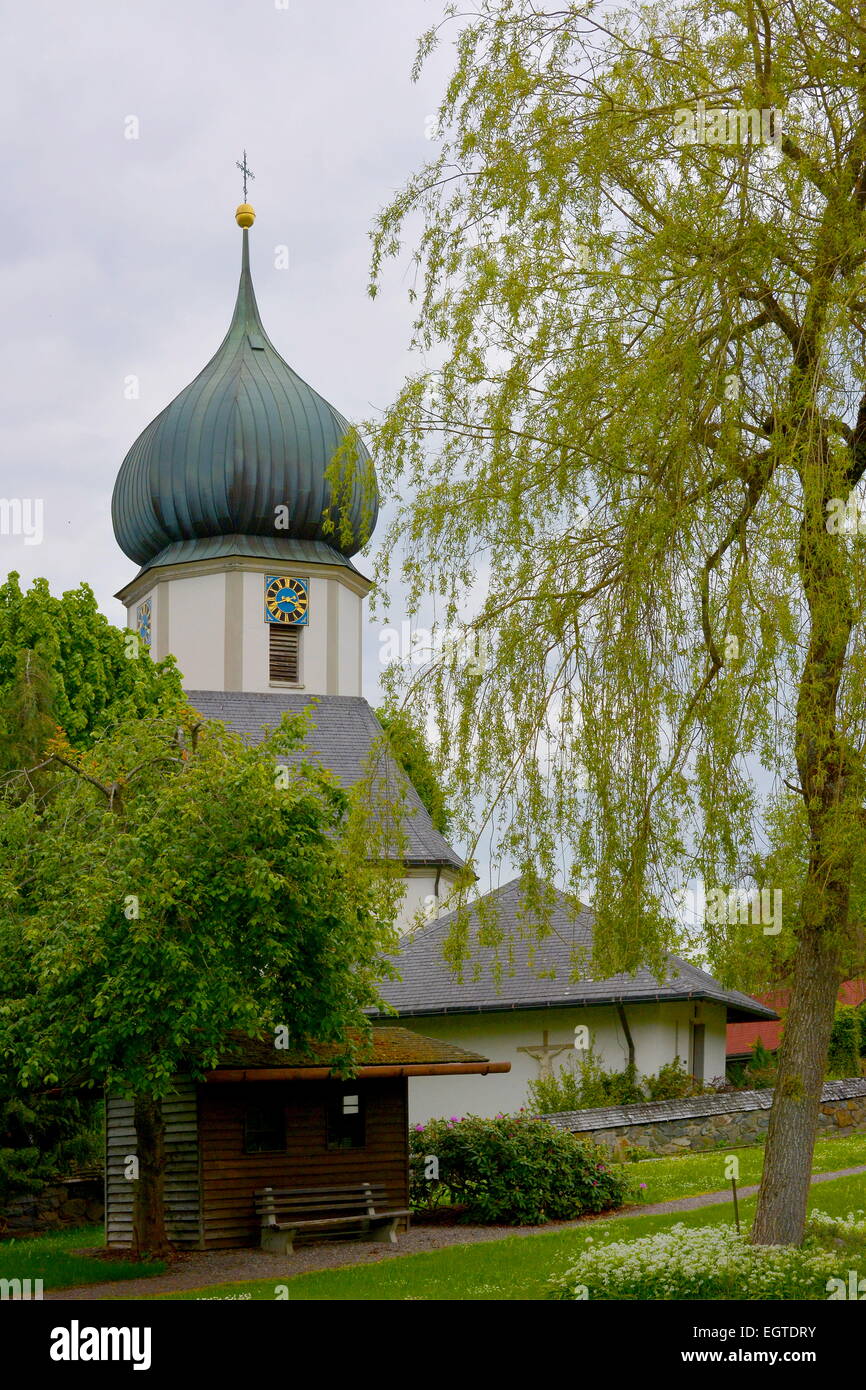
x=193, y=620
x=254, y=644
x=348, y=642
x=716, y=1046
x=660, y=1033
x=187, y=620
x=424, y=893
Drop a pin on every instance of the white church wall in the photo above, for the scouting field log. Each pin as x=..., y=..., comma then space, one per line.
x=716, y=1047
x=188, y=618
x=660, y=1033
x=213, y=623
x=254, y=637
x=347, y=642
x=424, y=892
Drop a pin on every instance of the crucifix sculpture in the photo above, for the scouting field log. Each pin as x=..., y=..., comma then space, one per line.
x=246, y=171
x=544, y=1054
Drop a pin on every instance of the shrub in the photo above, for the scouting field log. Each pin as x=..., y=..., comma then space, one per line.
x=44, y=1138
x=589, y=1086
x=761, y=1068
x=515, y=1169
x=585, y=1086
x=672, y=1082
x=846, y=1041
x=709, y=1262
x=631, y=1153
x=556, y=1095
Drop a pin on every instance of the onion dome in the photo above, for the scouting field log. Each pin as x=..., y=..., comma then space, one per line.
x=237, y=462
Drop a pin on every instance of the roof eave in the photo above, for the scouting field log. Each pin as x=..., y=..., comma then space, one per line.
x=570, y=1001
x=386, y=1070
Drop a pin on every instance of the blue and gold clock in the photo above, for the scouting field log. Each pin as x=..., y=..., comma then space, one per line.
x=286, y=600
x=143, y=621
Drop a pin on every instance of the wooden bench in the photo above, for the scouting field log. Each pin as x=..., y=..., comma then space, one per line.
x=360, y=1210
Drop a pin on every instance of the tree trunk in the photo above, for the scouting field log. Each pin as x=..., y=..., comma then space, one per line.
x=830, y=779
x=784, y=1191
x=149, y=1231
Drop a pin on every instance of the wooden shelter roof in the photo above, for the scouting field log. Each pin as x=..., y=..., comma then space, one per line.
x=387, y=1052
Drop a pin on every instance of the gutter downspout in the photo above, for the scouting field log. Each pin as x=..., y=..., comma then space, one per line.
x=628, y=1037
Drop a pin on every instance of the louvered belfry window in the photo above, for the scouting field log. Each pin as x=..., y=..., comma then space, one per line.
x=285, y=653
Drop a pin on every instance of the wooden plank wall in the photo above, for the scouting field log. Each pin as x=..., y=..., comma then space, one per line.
x=183, y=1216
x=230, y=1177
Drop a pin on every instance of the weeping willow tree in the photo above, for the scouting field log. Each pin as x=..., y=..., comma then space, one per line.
x=640, y=290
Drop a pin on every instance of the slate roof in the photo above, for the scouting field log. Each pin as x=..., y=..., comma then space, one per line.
x=429, y=986
x=387, y=1047
x=693, y=1107
x=345, y=730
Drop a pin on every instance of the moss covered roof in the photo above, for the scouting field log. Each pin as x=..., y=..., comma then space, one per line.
x=386, y=1047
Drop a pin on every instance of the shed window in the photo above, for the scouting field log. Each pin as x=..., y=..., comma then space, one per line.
x=346, y=1121
x=284, y=654
x=265, y=1129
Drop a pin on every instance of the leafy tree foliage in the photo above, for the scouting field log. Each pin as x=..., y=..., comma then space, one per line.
x=82, y=673
x=646, y=417
x=848, y=1040
x=174, y=887
x=410, y=748
x=64, y=670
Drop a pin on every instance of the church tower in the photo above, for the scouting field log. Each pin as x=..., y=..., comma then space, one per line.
x=243, y=504
x=220, y=501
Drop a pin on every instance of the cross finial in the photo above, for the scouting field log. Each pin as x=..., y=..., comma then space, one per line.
x=246, y=171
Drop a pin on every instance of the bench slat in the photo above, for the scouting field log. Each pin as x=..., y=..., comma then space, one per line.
x=357, y=1199
x=373, y=1217
x=316, y=1197
x=320, y=1221
x=305, y=1205
x=320, y=1191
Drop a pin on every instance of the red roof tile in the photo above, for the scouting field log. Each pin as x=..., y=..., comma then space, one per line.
x=743, y=1036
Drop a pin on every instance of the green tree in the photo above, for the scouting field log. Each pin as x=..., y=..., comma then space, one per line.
x=410, y=748
x=846, y=1041
x=27, y=721
x=84, y=672
x=64, y=670
x=767, y=962
x=177, y=887
x=649, y=424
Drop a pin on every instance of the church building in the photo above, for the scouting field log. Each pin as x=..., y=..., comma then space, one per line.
x=222, y=503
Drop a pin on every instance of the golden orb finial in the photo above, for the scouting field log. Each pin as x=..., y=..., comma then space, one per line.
x=245, y=215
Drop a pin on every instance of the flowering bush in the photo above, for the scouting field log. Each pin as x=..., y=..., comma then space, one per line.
x=516, y=1169
x=841, y=1228
x=708, y=1262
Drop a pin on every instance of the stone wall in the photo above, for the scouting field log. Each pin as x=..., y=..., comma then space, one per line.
x=75, y=1202
x=709, y=1122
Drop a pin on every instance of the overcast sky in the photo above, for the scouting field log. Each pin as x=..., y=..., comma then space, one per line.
x=121, y=255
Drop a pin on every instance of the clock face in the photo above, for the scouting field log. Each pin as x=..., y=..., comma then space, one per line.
x=286, y=600
x=143, y=615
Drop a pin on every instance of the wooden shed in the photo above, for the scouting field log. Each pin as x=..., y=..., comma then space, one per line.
x=270, y=1118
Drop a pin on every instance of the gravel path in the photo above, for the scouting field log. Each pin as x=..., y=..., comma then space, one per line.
x=200, y=1268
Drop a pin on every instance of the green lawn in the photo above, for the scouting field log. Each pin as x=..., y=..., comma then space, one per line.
x=50, y=1258
x=506, y=1270
x=669, y=1178
x=474, y=1272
